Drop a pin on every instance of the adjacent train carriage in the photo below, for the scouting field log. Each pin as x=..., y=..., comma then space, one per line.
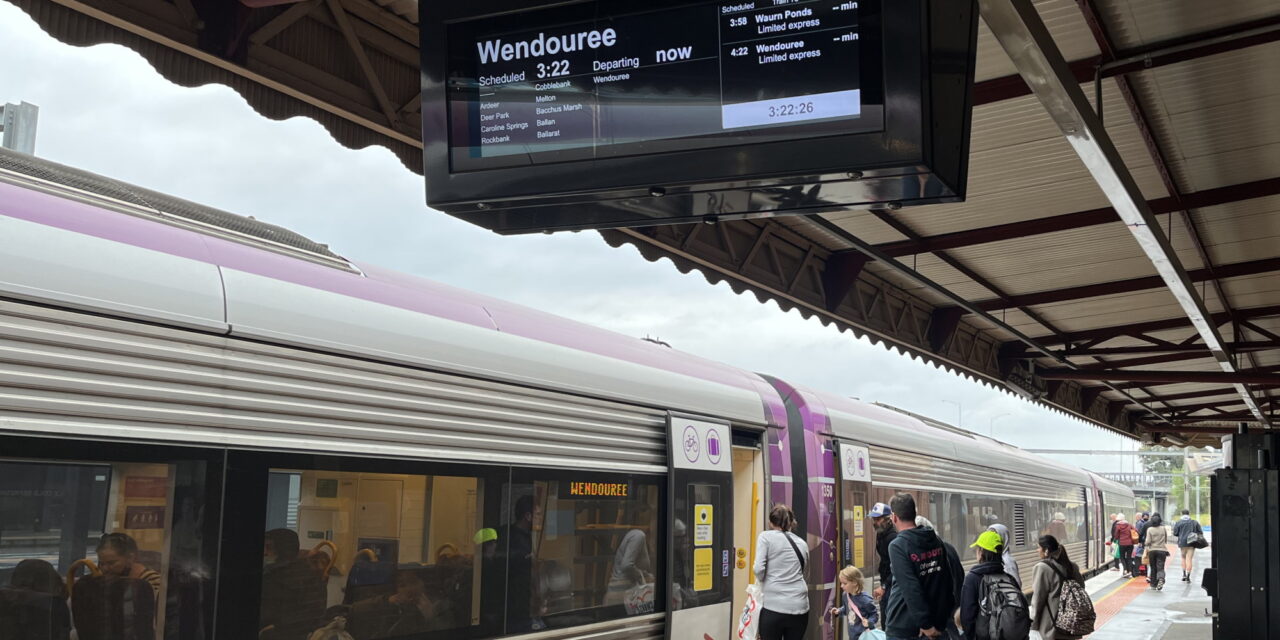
x=260, y=438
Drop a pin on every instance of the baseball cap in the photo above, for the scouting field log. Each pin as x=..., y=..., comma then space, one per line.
x=485, y=535
x=989, y=540
x=880, y=510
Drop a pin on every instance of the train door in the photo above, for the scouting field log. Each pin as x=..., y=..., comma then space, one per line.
x=701, y=535
x=857, y=535
x=748, y=508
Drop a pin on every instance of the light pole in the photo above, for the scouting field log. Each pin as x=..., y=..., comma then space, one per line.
x=959, y=412
x=991, y=424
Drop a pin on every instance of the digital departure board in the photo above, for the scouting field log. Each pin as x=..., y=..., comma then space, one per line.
x=545, y=115
x=707, y=74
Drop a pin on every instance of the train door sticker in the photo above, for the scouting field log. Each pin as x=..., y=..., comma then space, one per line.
x=855, y=462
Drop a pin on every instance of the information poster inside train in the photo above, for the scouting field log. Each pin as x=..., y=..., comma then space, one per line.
x=609, y=85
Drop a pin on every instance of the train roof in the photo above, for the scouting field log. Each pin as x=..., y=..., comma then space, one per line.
x=899, y=429
x=138, y=253
x=133, y=252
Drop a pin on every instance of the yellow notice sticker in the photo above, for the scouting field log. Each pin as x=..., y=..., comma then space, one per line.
x=857, y=520
x=859, y=548
x=703, y=525
x=702, y=575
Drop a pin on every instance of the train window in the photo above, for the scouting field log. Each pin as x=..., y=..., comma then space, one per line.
x=583, y=547
x=126, y=541
x=385, y=555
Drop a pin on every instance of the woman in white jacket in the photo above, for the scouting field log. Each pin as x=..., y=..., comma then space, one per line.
x=781, y=557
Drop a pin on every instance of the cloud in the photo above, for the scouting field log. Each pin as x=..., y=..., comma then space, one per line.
x=106, y=110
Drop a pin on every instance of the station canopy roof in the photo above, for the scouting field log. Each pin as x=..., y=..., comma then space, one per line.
x=1035, y=283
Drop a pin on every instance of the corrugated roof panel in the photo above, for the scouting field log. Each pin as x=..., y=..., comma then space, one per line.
x=1220, y=128
x=1065, y=23
x=1109, y=312
x=1225, y=78
x=861, y=223
x=1147, y=21
x=1031, y=171
x=1232, y=167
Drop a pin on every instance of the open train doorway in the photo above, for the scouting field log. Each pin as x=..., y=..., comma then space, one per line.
x=749, y=509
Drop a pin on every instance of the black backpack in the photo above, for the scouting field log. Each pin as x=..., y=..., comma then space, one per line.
x=1003, y=611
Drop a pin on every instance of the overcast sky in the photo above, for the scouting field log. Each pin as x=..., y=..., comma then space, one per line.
x=106, y=110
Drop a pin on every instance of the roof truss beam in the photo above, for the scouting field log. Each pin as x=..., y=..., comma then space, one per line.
x=1018, y=27
x=1235, y=270
x=1077, y=220
x=1261, y=375
x=1159, y=54
x=1102, y=334
x=1237, y=347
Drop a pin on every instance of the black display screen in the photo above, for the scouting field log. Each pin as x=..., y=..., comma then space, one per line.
x=581, y=82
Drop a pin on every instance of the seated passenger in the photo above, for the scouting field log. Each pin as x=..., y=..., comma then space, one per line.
x=34, y=605
x=121, y=602
x=406, y=612
x=294, y=593
x=118, y=556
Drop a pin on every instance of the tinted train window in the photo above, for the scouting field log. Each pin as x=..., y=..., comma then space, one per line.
x=385, y=555
x=582, y=548
x=126, y=540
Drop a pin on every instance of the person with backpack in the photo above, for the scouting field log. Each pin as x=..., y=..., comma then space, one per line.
x=1125, y=537
x=992, y=606
x=926, y=578
x=1060, y=607
x=781, y=557
x=1156, y=539
x=1190, y=537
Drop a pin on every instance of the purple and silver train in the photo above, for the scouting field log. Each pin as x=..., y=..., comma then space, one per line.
x=294, y=442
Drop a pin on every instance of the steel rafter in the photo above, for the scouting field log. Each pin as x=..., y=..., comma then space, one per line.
x=1237, y=347
x=1211, y=274
x=1077, y=220
x=1020, y=31
x=1102, y=334
x=1260, y=375
x=1115, y=63
x=1139, y=114
x=1210, y=393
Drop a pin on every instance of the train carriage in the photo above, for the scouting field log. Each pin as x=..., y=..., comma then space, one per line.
x=290, y=440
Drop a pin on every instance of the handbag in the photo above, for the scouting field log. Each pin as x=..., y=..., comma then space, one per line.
x=1196, y=540
x=749, y=622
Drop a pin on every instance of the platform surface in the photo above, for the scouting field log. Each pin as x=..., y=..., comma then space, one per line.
x=1128, y=609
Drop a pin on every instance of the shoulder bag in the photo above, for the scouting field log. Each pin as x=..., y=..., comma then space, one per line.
x=799, y=556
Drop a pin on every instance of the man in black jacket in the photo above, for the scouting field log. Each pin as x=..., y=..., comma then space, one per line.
x=927, y=577
x=885, y=533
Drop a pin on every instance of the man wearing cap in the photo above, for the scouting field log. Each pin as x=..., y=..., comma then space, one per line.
x=990, y=547
x=885, y=533
x=926, y=578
